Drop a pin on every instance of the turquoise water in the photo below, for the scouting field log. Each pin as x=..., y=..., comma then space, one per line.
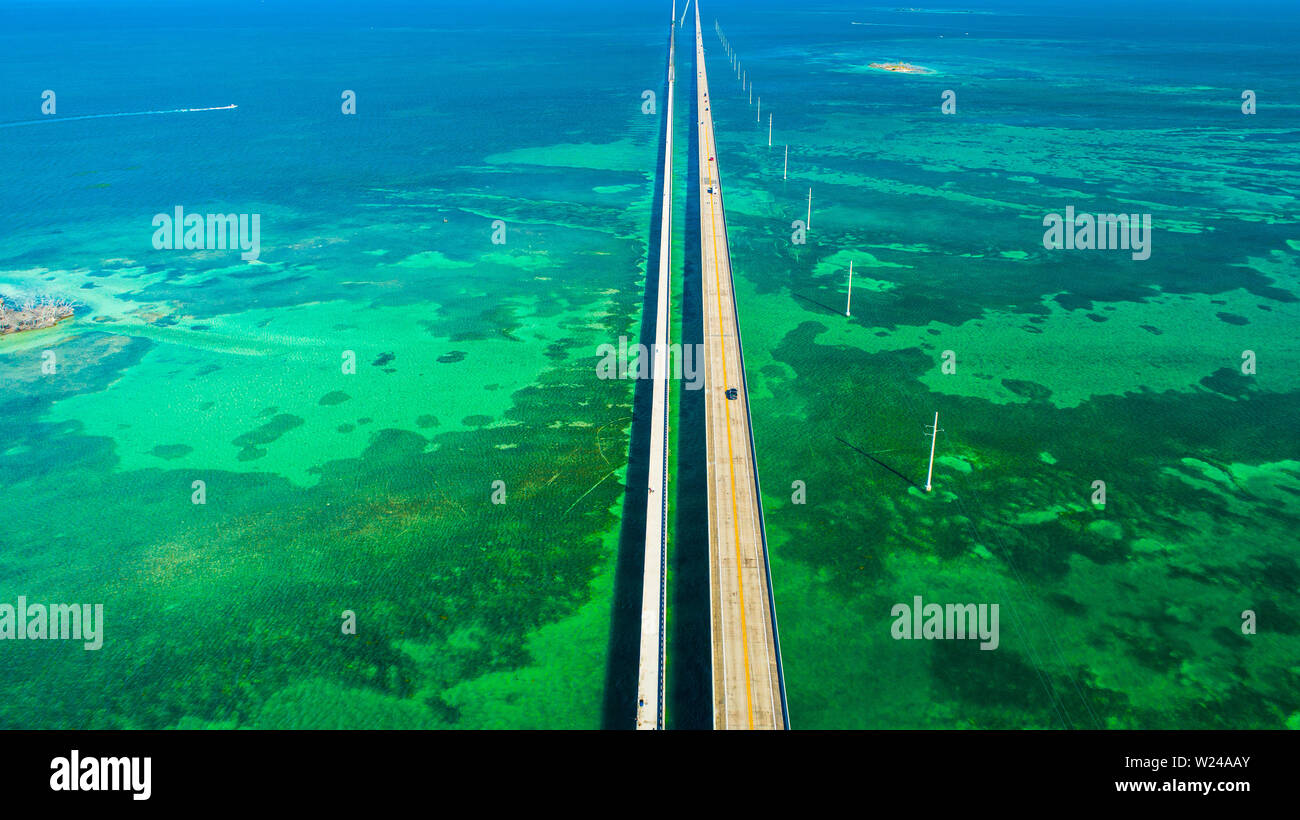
x=326, y=491
x=1071, y=366
x=371, y=492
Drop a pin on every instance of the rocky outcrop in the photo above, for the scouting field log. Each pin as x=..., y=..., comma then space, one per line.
x=33, y=314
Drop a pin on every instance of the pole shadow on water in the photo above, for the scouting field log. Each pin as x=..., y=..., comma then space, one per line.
x=818, y=304
x=878, y=461
x=619, y=710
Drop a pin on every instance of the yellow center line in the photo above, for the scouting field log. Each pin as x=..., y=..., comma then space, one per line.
x=731, y=466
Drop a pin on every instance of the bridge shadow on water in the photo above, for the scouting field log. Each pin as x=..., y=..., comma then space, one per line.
x=690, y=669
x=619, y=709
x=689, y=682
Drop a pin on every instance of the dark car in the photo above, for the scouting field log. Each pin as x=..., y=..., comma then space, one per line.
x=731, y=393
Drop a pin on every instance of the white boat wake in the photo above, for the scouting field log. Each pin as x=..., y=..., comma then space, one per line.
x=120, y=114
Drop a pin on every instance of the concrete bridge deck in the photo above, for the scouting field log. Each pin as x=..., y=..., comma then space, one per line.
x=748, y=688
x=650, y=670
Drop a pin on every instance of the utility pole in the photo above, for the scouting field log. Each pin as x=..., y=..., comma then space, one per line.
x=849, y=303
x=934, y=435
x=758, y=115
x=769, y=130
x=808, y=224
x=785, y=170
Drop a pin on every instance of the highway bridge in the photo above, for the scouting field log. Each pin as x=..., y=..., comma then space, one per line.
x=650, y=669
x=748, y=682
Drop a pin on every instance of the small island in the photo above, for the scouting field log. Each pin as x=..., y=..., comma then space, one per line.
x=32, y=314
x=902, y=68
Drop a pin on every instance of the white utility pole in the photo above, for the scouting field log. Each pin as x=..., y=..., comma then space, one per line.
x=808, y=224
x=934, y=435
x=848, y=304
x=769, y=130
x=785, y=169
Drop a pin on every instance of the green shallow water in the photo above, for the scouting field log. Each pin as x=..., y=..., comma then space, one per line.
x=1072, y=367
x=369, y=492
